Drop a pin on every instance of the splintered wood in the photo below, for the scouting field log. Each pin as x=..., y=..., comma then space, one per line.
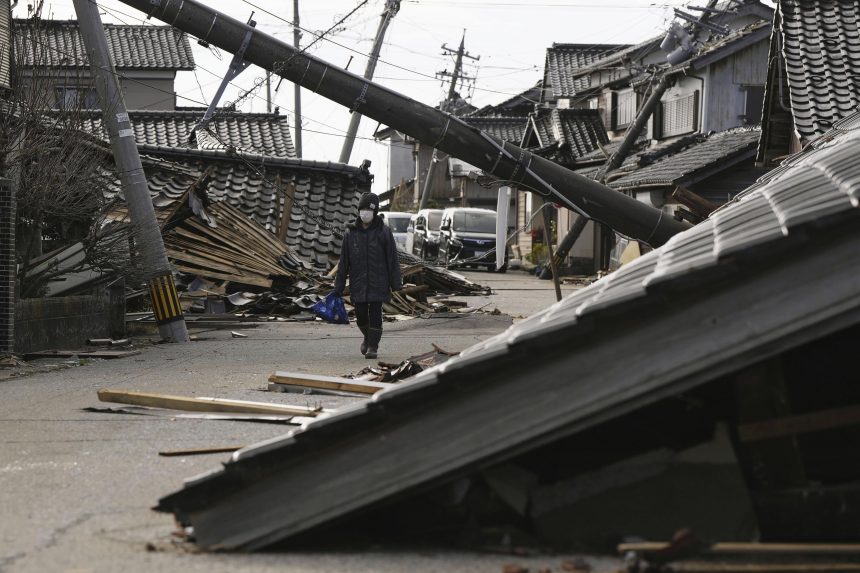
x=237, y=250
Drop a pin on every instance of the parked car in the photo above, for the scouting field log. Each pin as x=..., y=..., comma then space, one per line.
x=467, y=237
x=422, y=236
x=398, y=221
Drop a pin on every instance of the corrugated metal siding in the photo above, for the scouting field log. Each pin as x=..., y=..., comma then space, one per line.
x=5, y=46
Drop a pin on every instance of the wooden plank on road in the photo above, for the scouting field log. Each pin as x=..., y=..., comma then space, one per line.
x=202, y=404
x=328, y=382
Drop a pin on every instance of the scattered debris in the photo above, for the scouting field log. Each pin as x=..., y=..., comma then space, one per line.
x=235, y=334
x=80, y=354
x=579, y=565
x=9, y=361
x=108, y=342
x=199, y=451
x=203, y=404
x=390, y=372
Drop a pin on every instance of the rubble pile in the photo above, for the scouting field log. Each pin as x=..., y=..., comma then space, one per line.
x=228, y=263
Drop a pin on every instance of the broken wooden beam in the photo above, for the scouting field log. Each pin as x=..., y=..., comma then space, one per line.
x=752, y=548
x=693, y=201
x=327, y=382
x=202, y=404
x=800, y=424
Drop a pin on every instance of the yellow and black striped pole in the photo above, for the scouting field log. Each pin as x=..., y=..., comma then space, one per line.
x=165, y=299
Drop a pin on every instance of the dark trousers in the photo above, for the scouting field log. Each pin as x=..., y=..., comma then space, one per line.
x=368, y=314
x=368, y=317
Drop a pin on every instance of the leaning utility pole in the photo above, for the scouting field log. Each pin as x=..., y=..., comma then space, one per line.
x=682, y=54
x=145, y=229
x=391, y=9
x=431, y=126
x=642, y=116
x=452, y=94
x=297, y=92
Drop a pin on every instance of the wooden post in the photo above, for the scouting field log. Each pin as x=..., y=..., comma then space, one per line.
x=287, y=208
x=552, y=265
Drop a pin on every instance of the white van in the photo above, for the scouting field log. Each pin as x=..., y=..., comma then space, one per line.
x=398, y=221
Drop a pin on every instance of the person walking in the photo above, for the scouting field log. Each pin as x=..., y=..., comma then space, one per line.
x=369, y=258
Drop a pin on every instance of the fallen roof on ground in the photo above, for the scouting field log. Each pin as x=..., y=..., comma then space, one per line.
x=712, y=275
x=770, y=271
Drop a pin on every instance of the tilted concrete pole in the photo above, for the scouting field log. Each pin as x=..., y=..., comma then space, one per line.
x=506, y=161
x=297, y=90
x=145, y=230
x=391, y=9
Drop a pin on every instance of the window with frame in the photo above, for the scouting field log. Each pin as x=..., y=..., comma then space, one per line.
x=679, y=115
x=753, y=104
x=623, y=108
x=76, y=97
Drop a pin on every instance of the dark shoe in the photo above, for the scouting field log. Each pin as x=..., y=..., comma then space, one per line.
x=374, y=335
x=363, y=348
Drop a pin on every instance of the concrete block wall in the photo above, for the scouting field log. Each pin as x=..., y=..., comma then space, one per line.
x=7, y=268
x=63, y=323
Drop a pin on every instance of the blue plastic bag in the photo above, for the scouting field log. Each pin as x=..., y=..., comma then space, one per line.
x=331, y=309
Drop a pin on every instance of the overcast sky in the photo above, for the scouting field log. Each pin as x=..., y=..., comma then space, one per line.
x=509, y=36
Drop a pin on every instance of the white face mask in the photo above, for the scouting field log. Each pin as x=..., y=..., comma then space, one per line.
x=365, y=216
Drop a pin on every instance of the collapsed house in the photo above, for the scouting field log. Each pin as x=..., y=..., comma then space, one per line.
x=675, y=392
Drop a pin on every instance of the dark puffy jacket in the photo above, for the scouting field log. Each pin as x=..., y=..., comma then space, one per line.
x=369, y=258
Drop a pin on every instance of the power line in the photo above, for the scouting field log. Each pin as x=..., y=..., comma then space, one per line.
x=172, y=94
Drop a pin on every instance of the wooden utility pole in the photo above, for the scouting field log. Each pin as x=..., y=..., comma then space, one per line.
x=144, y=226
x=455, y=76
x=391, y=9
x=297, y=107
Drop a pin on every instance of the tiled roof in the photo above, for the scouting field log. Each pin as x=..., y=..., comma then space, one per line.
x=58, y=44
x=563, y=61
x=616, y=61
x=821, y=47
x=770, y=271
x=510, y=129
x=720, y=149
x=574, y=132
x=326, y=194
x=519, y=105
x=262, y=133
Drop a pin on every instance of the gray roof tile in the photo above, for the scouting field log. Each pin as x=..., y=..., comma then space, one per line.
x=58, y=44
x=574, y=132
x=510, y=129
x=564, y=62
x=259, y=133
x=681, y=167
x=821, y=47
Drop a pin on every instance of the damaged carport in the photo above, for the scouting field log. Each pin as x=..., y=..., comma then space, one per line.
x=747, y=320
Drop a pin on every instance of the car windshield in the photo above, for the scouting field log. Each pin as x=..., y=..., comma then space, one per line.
x=474, y=222
x=398, y=224
x=434, y=220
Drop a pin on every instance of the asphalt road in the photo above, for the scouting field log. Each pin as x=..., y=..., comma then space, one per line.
x=76, y=487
